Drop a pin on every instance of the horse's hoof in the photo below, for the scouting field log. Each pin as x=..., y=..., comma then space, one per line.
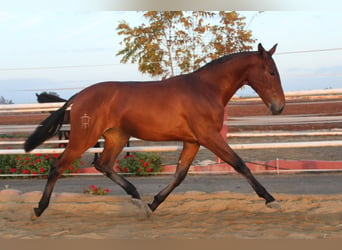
x=34, y=216
x=273, y=205
x=142, y=206
x=137, y=202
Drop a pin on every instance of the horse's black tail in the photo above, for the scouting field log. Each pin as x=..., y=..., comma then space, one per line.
x=47, y=128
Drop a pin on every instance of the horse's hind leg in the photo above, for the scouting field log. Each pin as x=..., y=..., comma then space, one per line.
x=96, y=155
x=56, y=170
x=115, y=140
x=218, y=146
x=188, y=154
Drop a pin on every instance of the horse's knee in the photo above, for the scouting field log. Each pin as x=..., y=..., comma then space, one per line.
x=101, y=168
x=240, y=167
x=179, y=177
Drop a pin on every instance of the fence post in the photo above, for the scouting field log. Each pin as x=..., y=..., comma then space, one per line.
x=277, y=165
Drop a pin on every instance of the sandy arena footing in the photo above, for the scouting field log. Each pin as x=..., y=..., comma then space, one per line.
x=189, y=215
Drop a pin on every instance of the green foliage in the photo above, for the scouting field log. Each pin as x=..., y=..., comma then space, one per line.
x=33, y=165
x=92, y=189
x=140, y=164
x=177, y=42
x=12, y=136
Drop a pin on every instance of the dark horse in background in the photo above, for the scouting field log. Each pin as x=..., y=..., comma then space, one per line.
x=62, y=134
x=186, y=108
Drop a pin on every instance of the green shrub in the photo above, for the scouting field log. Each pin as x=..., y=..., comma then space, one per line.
x=96, y=190
x=140, y=164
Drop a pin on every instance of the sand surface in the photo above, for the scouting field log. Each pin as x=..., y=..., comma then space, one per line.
x=189, y=215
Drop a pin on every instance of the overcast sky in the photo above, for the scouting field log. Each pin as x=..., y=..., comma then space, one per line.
x=65, y=51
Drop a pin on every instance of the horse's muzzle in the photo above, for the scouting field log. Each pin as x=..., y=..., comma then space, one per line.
x=276, y=109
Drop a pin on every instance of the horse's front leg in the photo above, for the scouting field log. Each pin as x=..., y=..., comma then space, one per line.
x=215, y=143
x=188, y=154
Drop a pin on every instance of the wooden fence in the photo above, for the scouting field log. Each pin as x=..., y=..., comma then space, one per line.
x=234, y=121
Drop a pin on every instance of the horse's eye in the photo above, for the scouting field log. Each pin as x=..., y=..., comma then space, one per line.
x=272, y=73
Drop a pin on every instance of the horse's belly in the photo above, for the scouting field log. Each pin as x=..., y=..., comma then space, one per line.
x=160, y=132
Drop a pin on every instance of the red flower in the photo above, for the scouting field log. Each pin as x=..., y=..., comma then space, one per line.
x=34, y=173
x=131, y=155
x=107, y=190
x=71, y=167
x=31, y=163
x=55, y=155
x=25, y=171
x=12, y=170
x=18, y=158
x=138, y=169
x=38, y=160
x=42, y=170
x=149, y=170
x=125, y=170
x=145, y=164
x=38, y=155
x=26, y=159
x=47, y=157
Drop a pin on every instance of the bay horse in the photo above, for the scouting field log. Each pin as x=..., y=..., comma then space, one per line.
x=186, y=108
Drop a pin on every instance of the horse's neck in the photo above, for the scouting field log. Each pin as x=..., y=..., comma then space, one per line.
x=225, y=78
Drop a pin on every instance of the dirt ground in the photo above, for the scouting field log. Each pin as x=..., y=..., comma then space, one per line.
x=192, y=215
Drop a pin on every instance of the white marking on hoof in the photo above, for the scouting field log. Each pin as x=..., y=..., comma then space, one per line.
x=137, y=202
x=273, y=205
x=144, y=207
x=34, y=217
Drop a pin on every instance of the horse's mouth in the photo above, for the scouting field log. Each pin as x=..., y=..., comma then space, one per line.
x=275, y=109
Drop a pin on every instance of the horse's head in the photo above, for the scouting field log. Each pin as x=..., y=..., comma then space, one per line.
x=264, y=78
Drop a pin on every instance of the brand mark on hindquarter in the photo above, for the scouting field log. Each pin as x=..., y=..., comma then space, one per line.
x=85, y=121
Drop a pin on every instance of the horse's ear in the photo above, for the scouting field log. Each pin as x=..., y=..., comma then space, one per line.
x=261, y=49
x=271, y=51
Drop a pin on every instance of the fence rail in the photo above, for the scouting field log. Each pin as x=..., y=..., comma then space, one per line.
x=273, y=145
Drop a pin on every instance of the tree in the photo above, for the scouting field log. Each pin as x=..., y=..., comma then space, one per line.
x=5, y=101
x=173, y=42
